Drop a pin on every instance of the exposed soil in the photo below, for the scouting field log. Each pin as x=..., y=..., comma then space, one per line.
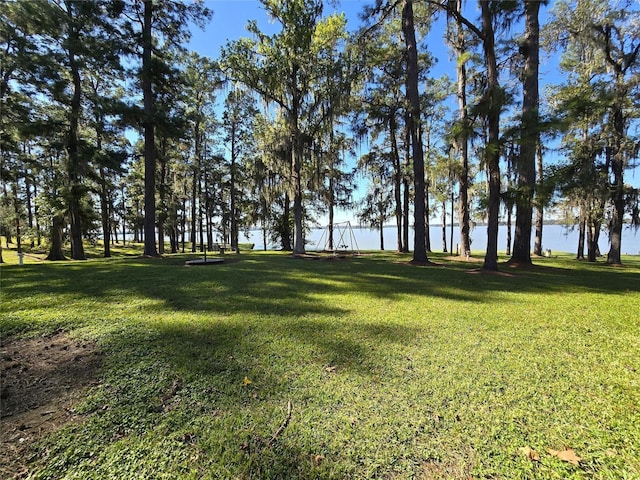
x=40, y=381
x=463, y=258
x=324, y=256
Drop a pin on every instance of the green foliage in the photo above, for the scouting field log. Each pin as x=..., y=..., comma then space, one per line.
x=392, y=371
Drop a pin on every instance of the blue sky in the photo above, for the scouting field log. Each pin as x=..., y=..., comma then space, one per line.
x=231, y=17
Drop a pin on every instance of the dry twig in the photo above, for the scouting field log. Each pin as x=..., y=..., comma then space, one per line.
x=283, y=426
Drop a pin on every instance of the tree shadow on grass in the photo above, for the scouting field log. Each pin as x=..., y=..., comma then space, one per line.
x=247, y=371
x=222, y=381
x=278, y=285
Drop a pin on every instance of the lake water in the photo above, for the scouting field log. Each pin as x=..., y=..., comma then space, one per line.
x=556, y=238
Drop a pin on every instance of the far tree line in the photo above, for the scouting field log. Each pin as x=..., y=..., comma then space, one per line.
x=111, y=128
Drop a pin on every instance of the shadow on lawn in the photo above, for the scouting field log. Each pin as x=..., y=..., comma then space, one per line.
x=288, y=304
x=280, y=285
x=285, y=361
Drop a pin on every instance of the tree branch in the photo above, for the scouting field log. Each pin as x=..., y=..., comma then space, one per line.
x=282, y=426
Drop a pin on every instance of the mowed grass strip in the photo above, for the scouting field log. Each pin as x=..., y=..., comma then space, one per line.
x=391, y=371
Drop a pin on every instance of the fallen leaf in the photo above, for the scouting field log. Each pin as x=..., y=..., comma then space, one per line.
x=246, y=381
x=317, y=459
x=567, y=455
x=610, y=452
x=330, y=369
x=530, y=453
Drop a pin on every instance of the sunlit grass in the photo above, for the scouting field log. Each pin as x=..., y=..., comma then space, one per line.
x=392, y=371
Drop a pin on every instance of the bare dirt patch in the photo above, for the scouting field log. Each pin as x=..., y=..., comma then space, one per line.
x=40, y=380
x=463, y=258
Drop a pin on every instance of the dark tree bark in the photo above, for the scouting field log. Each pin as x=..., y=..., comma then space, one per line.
x=296, y=170
x=55, y=249
x=452, y=213
x=529, y=135
x=444, y=227
x=73, y=162
x=493, y=100
x=286, y=230
x=537, y=243
x=27, y=189
x=462, y=140
x=593, y=234
x=397, y=178
x=463, y=209
x=104, y=195
x=509, y=202
x=406, y=194
x=617, y=169
x=149, y=134
x=162, y=192
x=413, y=100
x=195, y=182
x=104, y=209
x=16, y=211
x=582, y=226
x=232, y=193
x=509, y=225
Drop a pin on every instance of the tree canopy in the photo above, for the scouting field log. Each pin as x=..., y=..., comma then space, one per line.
x=112, y=129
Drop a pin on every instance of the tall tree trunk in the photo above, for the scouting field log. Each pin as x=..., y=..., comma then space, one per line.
x=73, y=162
x=397, y=179
x=113, y=222
x=453, y=201
x=413, y=100
x=27, y=189
x=492, y=151
x=511, y=160
x=232, y=194
x=331, y=209
x=104, y=197
x=16, y=211
x=592, y=241
x=296, y=164
x=162, y=192
x=149, y=134
x=210, y=236
x=617, y=169
x=537, y=244
x=406, y=191
x=263, y=220
x=184, y=220
x=195, y=184
x=286, y=222
x=37, y=216
x=201, y=212
x=331, y=188
x=582, y=225
x=529, y=135
x=55, y=249
x=381, y=230
x=264, y=235
x=444, y=227
x=462, y=141
x=509, y=238
x=104, y=208
x=427, y=206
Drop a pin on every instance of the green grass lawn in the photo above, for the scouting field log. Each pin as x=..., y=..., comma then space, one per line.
x=392, y=371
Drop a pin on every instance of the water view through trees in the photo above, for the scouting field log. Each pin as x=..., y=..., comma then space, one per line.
x=110, y=125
